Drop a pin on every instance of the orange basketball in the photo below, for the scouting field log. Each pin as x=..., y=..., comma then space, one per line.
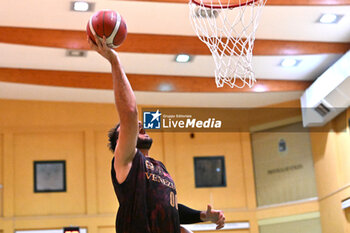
x=107, y=23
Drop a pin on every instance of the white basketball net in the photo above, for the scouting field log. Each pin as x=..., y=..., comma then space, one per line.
x=229, y=33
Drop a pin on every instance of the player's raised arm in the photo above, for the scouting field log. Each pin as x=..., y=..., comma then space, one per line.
x=126, y=105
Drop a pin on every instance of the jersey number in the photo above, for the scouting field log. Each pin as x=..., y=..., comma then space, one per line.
x=173, y=200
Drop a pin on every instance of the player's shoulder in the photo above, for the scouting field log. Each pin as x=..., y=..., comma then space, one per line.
x=159, y=163
x=138, y=156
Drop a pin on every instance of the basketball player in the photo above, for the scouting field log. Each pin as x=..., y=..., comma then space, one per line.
x=144, y=188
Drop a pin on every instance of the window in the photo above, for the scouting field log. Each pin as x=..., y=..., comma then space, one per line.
x=49, y=176
x=210, y=171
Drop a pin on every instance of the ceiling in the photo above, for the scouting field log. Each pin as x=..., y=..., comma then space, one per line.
x=36, y=34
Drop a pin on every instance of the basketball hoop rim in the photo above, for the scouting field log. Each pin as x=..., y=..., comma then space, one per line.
x=220, y=7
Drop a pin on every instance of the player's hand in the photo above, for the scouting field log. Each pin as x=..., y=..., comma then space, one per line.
x=215, y=216
x=102, y=48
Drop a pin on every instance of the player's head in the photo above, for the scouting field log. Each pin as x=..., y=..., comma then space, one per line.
x=144, y=141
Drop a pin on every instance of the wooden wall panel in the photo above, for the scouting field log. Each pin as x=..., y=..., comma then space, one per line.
x=333, y=218
x=209, y=144
x=106, y=229
x=328, y=169
x=106, y=200
x=30, y=147
x=330, y=151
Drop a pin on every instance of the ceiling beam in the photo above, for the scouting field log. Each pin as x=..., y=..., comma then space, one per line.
x=160, y=44
x=139, y=82
x=277, y=2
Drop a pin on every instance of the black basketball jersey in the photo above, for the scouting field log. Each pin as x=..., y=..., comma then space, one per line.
x=147, y=198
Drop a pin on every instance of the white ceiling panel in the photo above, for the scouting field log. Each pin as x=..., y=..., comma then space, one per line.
x=33, y=57
x=299, y=23
x=309, y=67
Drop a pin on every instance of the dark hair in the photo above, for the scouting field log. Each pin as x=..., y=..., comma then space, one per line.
x=113, y=135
